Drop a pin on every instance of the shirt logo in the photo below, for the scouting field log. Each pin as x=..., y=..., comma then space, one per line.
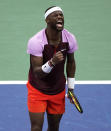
x=62, y=50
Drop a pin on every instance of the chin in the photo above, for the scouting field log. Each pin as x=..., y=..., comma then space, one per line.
x=59, y=29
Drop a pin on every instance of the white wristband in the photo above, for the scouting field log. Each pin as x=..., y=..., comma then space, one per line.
x=70, y=83
x=46, y=67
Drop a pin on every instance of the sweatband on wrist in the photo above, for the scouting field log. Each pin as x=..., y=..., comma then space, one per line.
x=48, y=12
x=70, y=83
x=46, y=67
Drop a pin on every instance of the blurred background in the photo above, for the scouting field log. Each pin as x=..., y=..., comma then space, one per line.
x=88, y=20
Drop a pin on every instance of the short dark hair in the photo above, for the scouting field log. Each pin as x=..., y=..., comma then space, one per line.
x=49, y=8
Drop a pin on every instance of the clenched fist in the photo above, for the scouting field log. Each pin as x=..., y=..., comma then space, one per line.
x=57, y=58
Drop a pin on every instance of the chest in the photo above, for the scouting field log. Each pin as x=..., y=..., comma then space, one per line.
x=50, y=50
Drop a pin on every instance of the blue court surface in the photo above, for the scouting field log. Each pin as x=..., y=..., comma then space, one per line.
x=95, y=100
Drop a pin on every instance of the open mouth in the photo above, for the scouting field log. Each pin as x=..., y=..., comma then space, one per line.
x=59, y=24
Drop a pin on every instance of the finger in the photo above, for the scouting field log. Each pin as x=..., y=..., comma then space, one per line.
x=60, y=56
x=59, y=52
x=67, y=95
x=71, y=101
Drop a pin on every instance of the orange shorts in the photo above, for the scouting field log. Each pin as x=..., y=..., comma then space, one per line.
x=40, y=102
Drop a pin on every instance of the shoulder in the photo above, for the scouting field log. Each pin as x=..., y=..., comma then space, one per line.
x=37, y=38
x=36, y=43
x=69, y=34
x=71, y=39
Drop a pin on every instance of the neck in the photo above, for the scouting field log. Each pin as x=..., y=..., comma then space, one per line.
x=53, y=34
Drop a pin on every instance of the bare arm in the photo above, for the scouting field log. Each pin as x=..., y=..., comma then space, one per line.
x=70, y=69
x=70, y=66
x=37, y=63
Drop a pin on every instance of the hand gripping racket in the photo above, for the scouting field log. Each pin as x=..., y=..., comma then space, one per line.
x=75, y=101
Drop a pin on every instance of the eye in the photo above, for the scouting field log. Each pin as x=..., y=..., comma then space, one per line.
x=55, y=15
x=61, y=14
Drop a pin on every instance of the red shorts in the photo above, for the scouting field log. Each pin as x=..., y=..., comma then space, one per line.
x=40, y=102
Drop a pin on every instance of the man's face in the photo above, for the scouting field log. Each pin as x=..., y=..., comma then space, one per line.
x=56, y=20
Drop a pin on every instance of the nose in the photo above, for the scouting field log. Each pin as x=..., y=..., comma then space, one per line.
x=59, y=16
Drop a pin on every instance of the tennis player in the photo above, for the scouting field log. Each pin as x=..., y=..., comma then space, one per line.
x=48, y=51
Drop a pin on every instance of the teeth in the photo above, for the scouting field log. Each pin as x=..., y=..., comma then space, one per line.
x=59, y=21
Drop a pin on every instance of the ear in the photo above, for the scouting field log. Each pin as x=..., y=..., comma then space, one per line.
x=47, y=20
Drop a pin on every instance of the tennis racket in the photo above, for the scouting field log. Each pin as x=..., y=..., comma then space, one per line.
x=75, y=101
